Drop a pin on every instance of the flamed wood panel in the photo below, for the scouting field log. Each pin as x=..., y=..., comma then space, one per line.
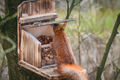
x=39, y=7
x=31, y=49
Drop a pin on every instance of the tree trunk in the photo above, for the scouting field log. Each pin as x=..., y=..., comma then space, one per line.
x=10, y=29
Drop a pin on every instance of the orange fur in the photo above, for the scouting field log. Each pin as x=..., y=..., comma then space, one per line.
x=76, y=72
x=65, y=60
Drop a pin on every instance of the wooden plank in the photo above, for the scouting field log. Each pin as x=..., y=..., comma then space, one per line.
x=45, y=72
x=18, y=36
x=30, y=47
x=38, y=18
x=39, y=56
x=48, y=23
x=38, y=31
x=36, y=7
x=49, y=66
x=20, y=55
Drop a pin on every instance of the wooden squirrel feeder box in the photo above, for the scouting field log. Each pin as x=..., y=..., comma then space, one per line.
x=35, y=33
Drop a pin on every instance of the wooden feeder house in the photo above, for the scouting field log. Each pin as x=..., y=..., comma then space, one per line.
x=35, y=33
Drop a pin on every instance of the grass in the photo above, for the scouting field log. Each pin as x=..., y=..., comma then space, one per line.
x=99, y=23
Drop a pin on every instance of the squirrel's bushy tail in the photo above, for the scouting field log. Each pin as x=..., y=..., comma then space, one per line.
x=76, y=72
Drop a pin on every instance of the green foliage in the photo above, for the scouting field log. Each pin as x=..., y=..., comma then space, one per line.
x=108, y=46
x=71, y=6
x=95, y=22
x=10, y=41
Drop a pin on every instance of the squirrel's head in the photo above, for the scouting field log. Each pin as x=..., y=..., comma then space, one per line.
x=59, y=27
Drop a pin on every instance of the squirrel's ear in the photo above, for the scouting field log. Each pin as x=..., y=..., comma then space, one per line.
x=64, y=25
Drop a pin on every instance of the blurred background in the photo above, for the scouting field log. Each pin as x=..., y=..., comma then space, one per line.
x=88, y=36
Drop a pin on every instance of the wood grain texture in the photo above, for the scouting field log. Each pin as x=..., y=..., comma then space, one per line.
x=45, y=72
x=30, y=49
x=42, y=30
x=37, y=7
x=38, y=18
x=18, y=36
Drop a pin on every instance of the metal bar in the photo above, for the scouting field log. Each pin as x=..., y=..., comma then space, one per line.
x=48, y=23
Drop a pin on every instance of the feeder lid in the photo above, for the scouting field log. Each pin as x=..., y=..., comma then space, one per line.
x=38, y=18
x=30, y=11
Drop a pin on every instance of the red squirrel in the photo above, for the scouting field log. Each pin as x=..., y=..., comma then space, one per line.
x=65, y=60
